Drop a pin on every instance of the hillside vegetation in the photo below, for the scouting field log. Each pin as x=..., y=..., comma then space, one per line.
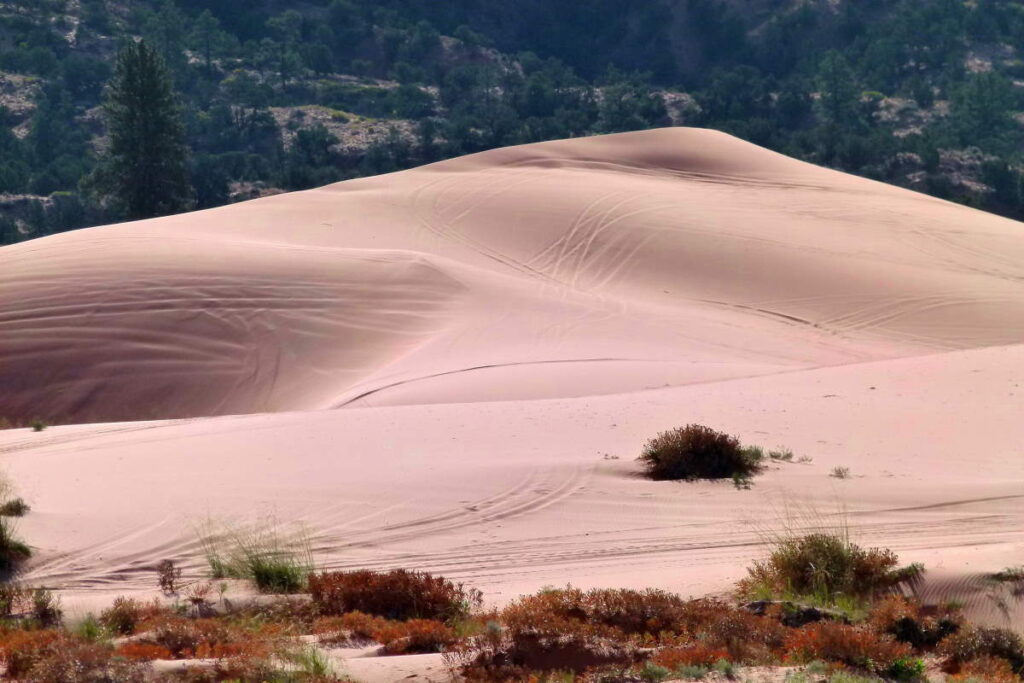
x=286, y=95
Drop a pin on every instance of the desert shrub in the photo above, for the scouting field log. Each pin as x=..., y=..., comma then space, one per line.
x=126, y=614
x=695, y=654
x=555, y=630
x=850, y=645
x=85, y=662
x=416, y=636
x=619, y=612
x=396, y=594
x=167, y=576
x=21, y=650
x=907, y=622
x=183, y=638
x=698, y=452
x=14, y=599
x=89, y=629
x=906, y=669
x=276, y=561
x=985, y=670
x=209, y=638
x=840, y=473
x=745, y=637
x=37, y=425
x=825, y=566
x=13, y=551
x=46, y=609
x=653, y=673
x=693, y=673
x=142, y=652
x=972, y=642
x=313, y=663
x=348, y=627
x=16, y=507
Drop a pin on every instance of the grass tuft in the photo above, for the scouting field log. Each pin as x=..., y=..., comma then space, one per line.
x=275, y=559
x=840, y=473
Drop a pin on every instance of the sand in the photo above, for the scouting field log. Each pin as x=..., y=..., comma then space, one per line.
x=453, y=368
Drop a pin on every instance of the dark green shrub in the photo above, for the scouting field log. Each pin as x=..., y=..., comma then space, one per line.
x=698, y=452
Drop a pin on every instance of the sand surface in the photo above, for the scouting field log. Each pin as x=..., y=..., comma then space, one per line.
x=453, y=368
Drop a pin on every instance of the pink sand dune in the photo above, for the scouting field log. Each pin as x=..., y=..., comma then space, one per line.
x=465, y=358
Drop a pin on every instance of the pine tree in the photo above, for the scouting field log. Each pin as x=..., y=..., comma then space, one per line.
x=144, y=172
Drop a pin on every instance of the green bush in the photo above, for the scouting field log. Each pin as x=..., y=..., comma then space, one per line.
x=13, y=551
x=699, y=452
x=827, y=567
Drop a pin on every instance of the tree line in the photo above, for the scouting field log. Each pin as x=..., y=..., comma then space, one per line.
x=907, y=91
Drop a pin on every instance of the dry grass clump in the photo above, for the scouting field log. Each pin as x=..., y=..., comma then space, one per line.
x=397, y=594
x=699, y=452
x=824, y=568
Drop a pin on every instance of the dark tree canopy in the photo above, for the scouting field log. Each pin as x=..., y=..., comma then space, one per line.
x=144, y=171
x=287, y=94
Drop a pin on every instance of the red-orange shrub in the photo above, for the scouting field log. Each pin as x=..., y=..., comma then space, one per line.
x=835, y=642
x=975, y=642
x=20, y=650
x=142, y=652
x=397, y=637
x=988, y=669
x=416, y=636
x=696, y=654
x=746, y=637
x=396, y=594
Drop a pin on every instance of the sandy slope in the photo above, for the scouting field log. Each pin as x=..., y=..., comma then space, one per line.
x=503, y=332
x=551, y=270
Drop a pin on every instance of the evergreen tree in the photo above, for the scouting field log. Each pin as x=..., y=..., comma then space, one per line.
x=144, y=172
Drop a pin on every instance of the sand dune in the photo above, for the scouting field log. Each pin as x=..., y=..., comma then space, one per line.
x=550, y=270
x=464, y=359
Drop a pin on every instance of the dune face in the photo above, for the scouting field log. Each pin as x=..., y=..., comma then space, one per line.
x=559, y=269
x=464, y=360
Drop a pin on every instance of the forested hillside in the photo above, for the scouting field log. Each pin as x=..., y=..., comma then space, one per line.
x=290, y=94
